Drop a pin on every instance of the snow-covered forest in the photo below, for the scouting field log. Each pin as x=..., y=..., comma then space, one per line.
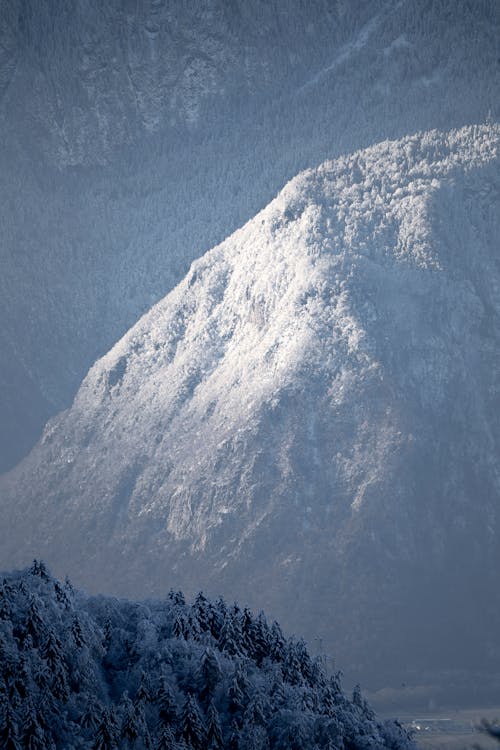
x=107, y=674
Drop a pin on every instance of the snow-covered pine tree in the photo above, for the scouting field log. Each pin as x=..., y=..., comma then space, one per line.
x=144, y=692
x=167, y=706
x=9, y=728
x=208, y=675
x=214, y=731
x=130, y=727
x=165, y=740
x=106, y=736
x=230, y=637
x=200, y=611
x=191, y=724
x=35, y=736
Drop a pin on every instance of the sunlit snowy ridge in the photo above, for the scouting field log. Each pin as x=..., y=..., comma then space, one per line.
x=312, y=410
x=137, y=135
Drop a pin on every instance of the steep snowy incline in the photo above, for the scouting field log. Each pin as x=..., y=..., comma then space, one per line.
x=309, y=419
x=136, y=135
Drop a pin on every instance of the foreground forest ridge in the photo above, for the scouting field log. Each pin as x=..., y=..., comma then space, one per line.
x=95, y=672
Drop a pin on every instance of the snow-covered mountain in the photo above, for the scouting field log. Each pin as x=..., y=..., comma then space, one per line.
x=309, y=420
x=136, y=135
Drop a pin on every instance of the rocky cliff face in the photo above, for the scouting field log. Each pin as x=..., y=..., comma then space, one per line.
x=310, y=418
x=135, y=136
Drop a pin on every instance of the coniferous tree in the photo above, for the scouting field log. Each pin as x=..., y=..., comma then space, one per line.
x=180, y=628
x=177, y=598
x=304, y=660
x=34, y=735
x=108, y=633
x=357, y=698
x=246, y=630
x=9, y=729
x=60, y=687
x=255, y=713
x=167, y=707
x=106, y=737
x=10, y=674
x=278, y=695
x=328, y=702
x=192, y=730
x=144, y=692
x=22, y=587
x=77, y=632
x=201, y=612
x=219, y=613
x=208, y=675
x=215, y=618
x=318, y=673
x=52, y=651
x=261, y=641
x=41, y=676
x=90, y=718
x=39, y=569
x=236, y=697
x=22, y=679
x=230, y=637
x=5, y=607
x=214, y=731
x=130, y=729
x=234, y=735
x=291, y=665
x=61, y=595
x=142, y=725
x=34, y=621
x=166, y=739
x=194, y=628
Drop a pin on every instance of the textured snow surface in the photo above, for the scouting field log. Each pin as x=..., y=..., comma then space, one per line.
x=309, y=420
x=137, y=135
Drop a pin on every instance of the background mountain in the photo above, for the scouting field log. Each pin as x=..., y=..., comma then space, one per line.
x=136, y=135
x=80, y=672
x=309, y=420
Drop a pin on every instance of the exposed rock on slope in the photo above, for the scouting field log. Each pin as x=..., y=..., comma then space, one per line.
x=310, y=419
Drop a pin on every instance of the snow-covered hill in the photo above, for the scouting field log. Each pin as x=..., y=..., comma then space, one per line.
x=77, y=672
x=136, y=135
x=308, y=421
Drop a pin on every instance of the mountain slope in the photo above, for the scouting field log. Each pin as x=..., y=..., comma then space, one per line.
x=310, y=417
x=137, y=135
